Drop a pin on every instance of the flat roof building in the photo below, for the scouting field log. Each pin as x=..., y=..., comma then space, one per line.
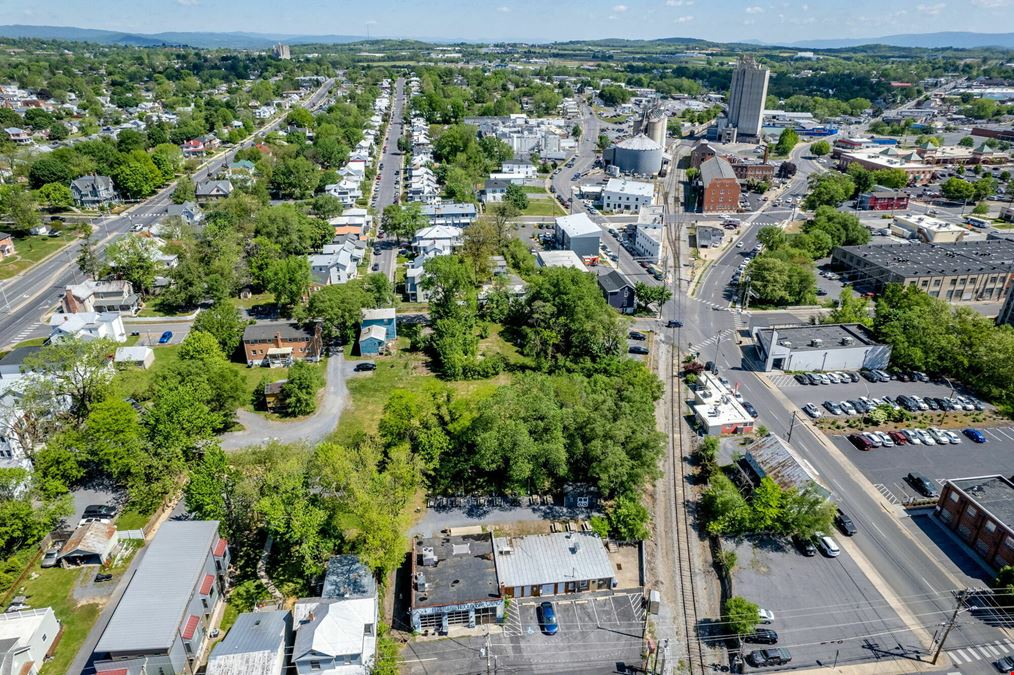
x=552, y=564
x=980, y=511
x=967, y=271
x=454, y=583
x=835, y=346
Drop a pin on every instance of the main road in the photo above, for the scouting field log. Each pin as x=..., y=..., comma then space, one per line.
x=26, y=298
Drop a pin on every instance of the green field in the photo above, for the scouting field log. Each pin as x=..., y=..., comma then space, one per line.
x=29, y=251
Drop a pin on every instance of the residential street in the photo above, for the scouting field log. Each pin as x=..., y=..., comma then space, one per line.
x=312, y=429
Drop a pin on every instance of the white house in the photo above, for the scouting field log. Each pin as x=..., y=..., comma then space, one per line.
x=621, y=194
x=87, y=326
x=446, y=238
x=27, y=638
x=335, y=636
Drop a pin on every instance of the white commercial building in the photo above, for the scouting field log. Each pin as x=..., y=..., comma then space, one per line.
x=626, y=195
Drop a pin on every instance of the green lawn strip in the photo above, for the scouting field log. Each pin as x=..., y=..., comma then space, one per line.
x=29, y=251
x=54, y=588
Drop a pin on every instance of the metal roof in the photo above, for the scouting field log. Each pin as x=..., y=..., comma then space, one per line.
x=255, y=645
x=716, y=167
x=548, y=558
x=155, y=603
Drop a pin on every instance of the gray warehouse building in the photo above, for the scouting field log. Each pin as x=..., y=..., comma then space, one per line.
x=639, y=155
x=966, y=271
x=579, y=234
x=840, y=346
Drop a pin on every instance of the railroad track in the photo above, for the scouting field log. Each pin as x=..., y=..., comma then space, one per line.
x=694, y=661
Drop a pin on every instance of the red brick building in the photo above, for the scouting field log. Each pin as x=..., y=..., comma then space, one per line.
x=980, y=511
x=279, y=343
x=721, y=187
x=883, y=199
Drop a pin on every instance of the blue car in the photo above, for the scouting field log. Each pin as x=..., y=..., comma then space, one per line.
x=547, y=618
x=166, y=337
x=975, y=435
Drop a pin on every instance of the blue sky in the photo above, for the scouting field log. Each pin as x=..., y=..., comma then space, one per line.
x=722, y=20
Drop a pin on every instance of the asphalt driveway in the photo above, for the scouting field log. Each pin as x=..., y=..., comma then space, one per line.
x=257, y=429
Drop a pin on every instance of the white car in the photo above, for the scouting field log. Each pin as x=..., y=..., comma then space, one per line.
x=827, y=545
x=766, y=615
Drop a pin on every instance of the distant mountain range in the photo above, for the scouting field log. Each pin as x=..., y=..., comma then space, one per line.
x=954, y=39
x=236, y=40
x=241, y=40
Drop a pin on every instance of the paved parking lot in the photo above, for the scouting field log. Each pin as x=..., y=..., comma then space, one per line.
x=598, y=633
x=886, y=468
x=825, y=608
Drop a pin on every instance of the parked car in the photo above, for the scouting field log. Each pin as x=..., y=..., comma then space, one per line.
x=769, y=657
x=804, y=546
x=762, y=636
x=844, y=523
x=861, y=442
x=51, y=557
x=766, y=615
x=827, y=545
x=365, y=366
x=922, y=485
x=547, y=618
x=812, y=410
x=166, y=337
x=975, y=435
x=637, y=349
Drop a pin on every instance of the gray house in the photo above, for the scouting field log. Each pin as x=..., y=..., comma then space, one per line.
x=618, y=291
x=255, y=645
x=92, y=191
x=160, y=624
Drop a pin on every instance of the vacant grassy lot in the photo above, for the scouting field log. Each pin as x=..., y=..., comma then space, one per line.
x=30, y=250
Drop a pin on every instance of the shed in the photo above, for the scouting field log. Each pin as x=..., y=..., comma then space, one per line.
x=135, y=356
x=90, y=544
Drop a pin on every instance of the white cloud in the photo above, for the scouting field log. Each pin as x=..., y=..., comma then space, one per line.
x=931, y=10
x=754, y=9
x=503, y=9
x=679, y=3
x=620, y=8
x=684, y=19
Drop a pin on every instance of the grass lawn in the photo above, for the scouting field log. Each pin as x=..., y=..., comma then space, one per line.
x=54, y=588
x=29, y=251
x=543, y=207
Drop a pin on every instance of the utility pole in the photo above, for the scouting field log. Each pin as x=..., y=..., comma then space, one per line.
x=959, y=602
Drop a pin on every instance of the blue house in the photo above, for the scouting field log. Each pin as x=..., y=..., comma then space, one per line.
x=372, y=340
x=381, y=317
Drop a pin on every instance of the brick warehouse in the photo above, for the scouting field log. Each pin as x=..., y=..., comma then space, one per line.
x=980, y=511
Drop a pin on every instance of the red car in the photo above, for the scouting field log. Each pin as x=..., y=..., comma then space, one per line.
x=860, y=442
x=897, y=437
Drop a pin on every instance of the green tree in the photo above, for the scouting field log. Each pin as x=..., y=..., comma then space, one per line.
x=288, y=279
x=516, y=197
x=223, y=321
x=56, y=196
x=820, y=148
x=740, y=616
x=299, y=393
